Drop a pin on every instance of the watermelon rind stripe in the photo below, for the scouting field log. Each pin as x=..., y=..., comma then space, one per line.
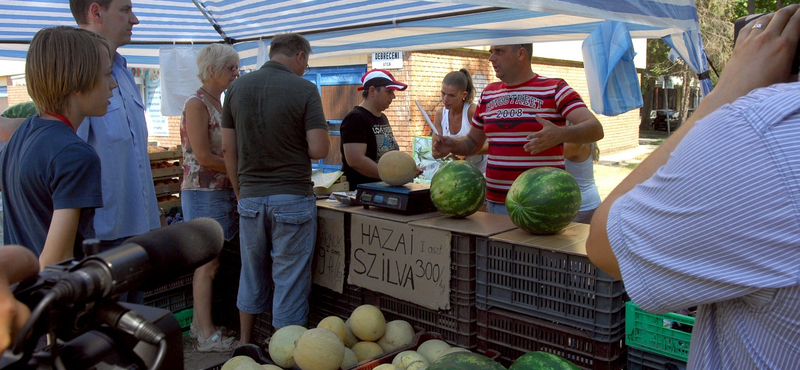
x=543, y=200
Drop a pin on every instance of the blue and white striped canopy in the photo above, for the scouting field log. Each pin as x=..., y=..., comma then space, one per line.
x=347, y=27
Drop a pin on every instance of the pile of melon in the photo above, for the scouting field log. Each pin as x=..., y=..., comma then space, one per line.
x=336, y=343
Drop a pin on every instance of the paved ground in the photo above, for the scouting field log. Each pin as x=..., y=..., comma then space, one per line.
x=193, y=360
x=628, y=156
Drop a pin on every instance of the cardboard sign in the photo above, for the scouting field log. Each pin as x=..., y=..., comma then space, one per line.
x=329, y=256
x=409, y=263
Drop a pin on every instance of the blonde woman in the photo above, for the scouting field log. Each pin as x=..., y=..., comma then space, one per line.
x=206, y=190
x=454, y=118
x=579, y=161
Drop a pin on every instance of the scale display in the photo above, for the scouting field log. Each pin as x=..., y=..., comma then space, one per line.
x=409, y=198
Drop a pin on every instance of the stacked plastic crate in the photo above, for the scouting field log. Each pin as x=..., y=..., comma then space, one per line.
x=656, y=342
x=541, y=293
x=175, y=296
x=458, y=325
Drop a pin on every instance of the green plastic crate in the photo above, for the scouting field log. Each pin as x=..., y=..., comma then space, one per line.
x=184, y=318
x=647, y=332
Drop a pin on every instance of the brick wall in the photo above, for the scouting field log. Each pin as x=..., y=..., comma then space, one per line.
x=424, y=71
x=17, y=94
x=174, y=138
x=621, y=132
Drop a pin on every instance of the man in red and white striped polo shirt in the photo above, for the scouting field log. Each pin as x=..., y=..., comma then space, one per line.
x=524, y=118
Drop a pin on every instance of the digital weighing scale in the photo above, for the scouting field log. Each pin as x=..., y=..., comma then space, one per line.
x=410, y=198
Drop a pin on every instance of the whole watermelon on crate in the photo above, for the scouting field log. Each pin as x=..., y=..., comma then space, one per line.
x=465, y=361
x=542, y=361
x=21, y=110
x=543, y=200
x=458, y=189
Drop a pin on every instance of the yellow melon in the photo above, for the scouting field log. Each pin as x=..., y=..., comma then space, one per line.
x=397, y=168
x=386, y=367
x=319, y=349
x=410, y=360
x=336, y=325
x=271, y=367
x=398, y=333
x=281, y=345
x=351, y=339
x=241, y=363
x=432, y=349
x=367, y=350
x=367, y=323
x=350, y=358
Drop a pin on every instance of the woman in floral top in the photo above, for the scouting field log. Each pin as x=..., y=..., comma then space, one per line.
x=206, y=190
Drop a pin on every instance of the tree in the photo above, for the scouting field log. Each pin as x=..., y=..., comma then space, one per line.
x=716, y=26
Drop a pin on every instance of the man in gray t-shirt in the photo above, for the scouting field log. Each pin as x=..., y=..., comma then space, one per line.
x=272, y=127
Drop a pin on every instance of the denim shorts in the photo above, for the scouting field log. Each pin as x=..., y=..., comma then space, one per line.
x=282, y=228
x=496, y=207
x=217, y=204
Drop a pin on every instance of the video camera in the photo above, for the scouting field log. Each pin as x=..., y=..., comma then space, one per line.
x=741, y=22
x=75, y=321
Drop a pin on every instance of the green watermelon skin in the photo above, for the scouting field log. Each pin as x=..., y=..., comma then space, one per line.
x=465, y=361
x=21, y=110
x=542, y=361
x=543, y=200
x=458, y=189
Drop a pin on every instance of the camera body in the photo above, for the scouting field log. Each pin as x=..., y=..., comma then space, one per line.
x=84, y=341
x=741, y=22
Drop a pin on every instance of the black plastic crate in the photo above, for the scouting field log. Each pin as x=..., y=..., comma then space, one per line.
x=644, y=360
x=173, y=300
x=175, y=284
x=552, y=285
x=514, y=335
x=324, y=302
x=458, y=325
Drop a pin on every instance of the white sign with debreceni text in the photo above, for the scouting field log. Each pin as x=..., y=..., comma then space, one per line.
x=387, y=60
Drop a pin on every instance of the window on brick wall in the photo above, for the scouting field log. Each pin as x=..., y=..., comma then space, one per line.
x=338, y=88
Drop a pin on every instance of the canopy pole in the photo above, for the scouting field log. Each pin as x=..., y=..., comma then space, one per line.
x=213, y=22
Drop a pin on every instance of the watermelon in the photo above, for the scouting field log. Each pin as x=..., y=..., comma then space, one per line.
x=465, y=361
x=458, y=189
x=543, y=200
x=542, y=361
x=21, y=110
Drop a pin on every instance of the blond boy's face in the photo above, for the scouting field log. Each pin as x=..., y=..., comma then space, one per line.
x=95, y=102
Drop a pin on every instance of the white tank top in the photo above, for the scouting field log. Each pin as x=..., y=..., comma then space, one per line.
x=478, y=160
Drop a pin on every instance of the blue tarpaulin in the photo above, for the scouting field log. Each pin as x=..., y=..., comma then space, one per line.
x=348, y=27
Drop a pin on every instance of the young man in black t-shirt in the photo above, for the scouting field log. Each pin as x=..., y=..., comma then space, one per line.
x=366, y=133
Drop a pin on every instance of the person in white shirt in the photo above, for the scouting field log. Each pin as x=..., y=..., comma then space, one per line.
x=454, y=118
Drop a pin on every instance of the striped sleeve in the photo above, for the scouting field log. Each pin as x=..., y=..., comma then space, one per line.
x=720, y=219
x=567, y=99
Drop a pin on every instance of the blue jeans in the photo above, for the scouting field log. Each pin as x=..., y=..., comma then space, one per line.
x=217, y=204
x=496, y=208
x=283, y=227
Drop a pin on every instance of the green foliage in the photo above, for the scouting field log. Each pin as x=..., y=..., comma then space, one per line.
x=716, y=25
x=761, y=6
